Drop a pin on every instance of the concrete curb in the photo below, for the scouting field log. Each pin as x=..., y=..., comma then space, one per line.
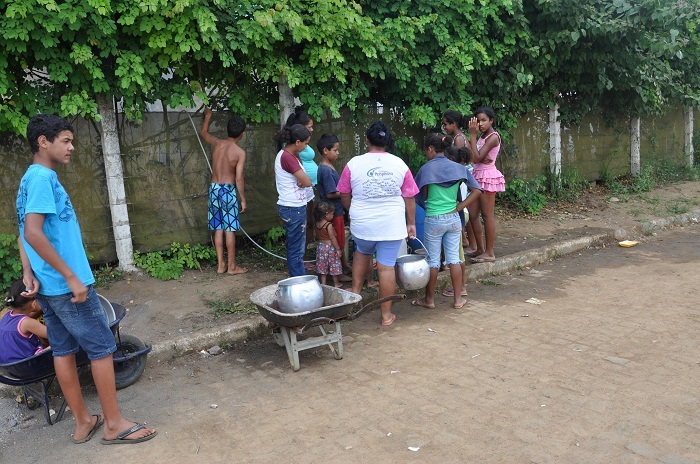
x=256, y=327
x=531, y=258
x=251, y=328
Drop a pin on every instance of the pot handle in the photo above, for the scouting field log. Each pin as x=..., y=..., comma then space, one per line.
x=376, y=303
x=423, y=245
x=315, y=322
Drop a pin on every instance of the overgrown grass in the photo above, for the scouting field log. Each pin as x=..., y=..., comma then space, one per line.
x=169, y=264
x=222, y=306
x=653, y=175
x=534, y=195
x=107, y=274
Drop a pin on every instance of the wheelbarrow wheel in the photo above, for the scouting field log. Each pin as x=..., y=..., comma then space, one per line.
x=128, y=372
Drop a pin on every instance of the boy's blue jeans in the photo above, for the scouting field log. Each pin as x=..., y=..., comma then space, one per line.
x=77, y=325
x=294, y=219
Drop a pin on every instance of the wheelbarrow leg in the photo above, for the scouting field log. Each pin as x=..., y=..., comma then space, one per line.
x=42, y=397
x=338, y=338
x=290, y=342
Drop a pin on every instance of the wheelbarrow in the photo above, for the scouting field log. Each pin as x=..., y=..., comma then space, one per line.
x=337, y=306
x=129, y=364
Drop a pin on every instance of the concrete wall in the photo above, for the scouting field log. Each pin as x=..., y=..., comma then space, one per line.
x=166, y=174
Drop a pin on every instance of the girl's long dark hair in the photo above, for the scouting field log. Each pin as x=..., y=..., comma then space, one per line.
x=292, y=134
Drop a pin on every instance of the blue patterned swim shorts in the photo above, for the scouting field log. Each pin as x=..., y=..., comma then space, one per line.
x=223, y=208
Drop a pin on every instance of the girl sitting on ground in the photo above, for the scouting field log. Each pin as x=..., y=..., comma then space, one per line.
x=328, y=250
x=20, y=332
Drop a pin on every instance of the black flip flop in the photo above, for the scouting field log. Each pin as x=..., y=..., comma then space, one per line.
x=122, y=440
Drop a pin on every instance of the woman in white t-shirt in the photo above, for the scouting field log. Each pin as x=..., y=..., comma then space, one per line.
x=378, y=189
x=294, y=191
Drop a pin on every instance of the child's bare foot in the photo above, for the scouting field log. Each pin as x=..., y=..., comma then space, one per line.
x=237, y=270
x=221, y=269
x=338, y=285
x=344, y=278
x=372, y=284
x=423, y=303
x=459, y=303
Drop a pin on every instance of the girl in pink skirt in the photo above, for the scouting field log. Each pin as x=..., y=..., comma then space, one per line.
x=484, y=152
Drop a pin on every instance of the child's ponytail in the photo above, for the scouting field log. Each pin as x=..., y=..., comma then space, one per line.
x=439, y=142
x=14, y=299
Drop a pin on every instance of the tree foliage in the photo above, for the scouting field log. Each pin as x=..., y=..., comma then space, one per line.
x=420, y=57
x=58, y=56
x=621, y=56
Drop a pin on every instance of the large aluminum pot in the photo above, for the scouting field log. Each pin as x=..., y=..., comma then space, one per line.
x=412, y=272
x=299, y=294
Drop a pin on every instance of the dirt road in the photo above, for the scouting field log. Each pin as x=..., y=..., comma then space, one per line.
x=605, y=369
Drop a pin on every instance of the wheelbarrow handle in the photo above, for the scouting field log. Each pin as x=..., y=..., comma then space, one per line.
x=315, y=322
x=376, y=303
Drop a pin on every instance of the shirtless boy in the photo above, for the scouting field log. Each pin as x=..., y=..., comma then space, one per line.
x=226, y=191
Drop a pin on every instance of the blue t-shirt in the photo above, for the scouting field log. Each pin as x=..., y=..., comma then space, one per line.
x=40, y=192
x=307, y=156
x=328, y=183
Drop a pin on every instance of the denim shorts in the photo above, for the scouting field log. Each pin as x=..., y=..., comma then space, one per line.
x=71, y=326
x=387, y=250
x=442, y=231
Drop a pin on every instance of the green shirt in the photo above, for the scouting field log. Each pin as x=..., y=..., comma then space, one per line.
x=441, y=200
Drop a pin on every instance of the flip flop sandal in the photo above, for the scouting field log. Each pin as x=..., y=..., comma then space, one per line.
x=483, y=260
x=390, y=321
x=449, y=292
x=422, y=304
x=98, y=424
x=122, y=440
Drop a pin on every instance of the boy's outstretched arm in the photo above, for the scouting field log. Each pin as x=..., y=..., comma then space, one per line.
x=34, y=235
x=204, y=131
x=240, y=182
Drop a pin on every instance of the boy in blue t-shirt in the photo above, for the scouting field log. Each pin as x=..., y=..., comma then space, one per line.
x=56, y=271
x=328, y=146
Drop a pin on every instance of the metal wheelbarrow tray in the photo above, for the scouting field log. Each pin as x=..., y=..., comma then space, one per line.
x=129, y=363
x=337, y=305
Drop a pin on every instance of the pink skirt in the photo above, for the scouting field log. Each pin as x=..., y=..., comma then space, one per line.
x=489, y=178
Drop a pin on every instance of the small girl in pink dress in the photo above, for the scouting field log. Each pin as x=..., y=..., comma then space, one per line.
x=328, y=250
x=484, y=153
